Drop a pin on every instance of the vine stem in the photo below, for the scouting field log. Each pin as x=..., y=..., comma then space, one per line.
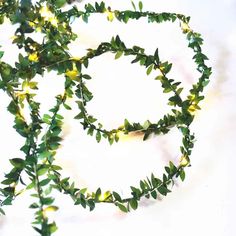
x=39, y=191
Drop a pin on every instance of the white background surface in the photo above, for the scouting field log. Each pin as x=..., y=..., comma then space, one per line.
x=204, y=203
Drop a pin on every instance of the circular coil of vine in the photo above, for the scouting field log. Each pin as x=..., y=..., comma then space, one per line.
x=43, y=132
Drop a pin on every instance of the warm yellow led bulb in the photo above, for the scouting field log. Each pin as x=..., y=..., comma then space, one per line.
x=53, y=21
x=26, y=89
x=185, y=27
x=72, y=74
x=192, y=109
x=110, y=15
x=75, y=58
x=48, y=16
x=49, y=210
x=33, y=57
x=32, y=24
x=122, y=136
x=184, y=161
x=45, y=12
x=104, y=196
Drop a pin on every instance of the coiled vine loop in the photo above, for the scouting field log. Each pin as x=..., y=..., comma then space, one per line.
x=51, y=20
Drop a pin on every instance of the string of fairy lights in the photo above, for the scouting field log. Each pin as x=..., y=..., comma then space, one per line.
x=42, y=132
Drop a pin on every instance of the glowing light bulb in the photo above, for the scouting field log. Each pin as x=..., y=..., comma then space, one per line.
x=184, y=161
x=26, y=89
x=33, y=57
x=75, y=58
x=48, y=211
x=72, y=74
x=13, y=37
x=45, y=12
x=122, y=136
x=13, y=185
x=48, y=16
x=54, y=21
x=104, y=196
x=110, y=15
x=35, y=24
x=185, y=28
x=192, y=109
x=32, y=24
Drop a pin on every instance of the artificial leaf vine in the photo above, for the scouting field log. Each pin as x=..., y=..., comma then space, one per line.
x=42, y=132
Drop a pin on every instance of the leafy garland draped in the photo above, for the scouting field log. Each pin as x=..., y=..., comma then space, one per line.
x=49, y=18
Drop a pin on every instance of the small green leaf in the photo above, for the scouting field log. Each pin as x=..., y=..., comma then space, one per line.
x=34, y=206
x=2, y=211
x=122, y=207
x=78, y=201
x=91, y=204
x=88, y=77
x=146, y=135
x=156, y=56
x=159, y=77
x=47, y=200
x=142, y=185
x=205, y=83
x=179, y=90
x=167, y=90
x=25, y=4
x=154, y=194
x=133, y=5
x=8, y=201
x=83, y=202
x=127, y=125
x=98, y=136
x=60, y=3
x=17, y=162
x=79, y=116
x=155, y=181
x=30, y=186
x=47, y=119
x=67, y=107
x=135, y=192
x=98, y=194
x=146, y=124
x=8, y=181
x=37, y=230
x=44, y=154
x=42, y=171
x=182, y=174
x=167, y=68
x=48, y=190
x=52, y=227
x=85, y=19
x=12, y=108
x=163, y=190
x=140, y=5
x=116, y=196
x=133, y=203
x=1, y=54
x=149, y=70
x=55, y=167
x=44, y=182
x=111, y=139
x=118, y=54
x=83, y=190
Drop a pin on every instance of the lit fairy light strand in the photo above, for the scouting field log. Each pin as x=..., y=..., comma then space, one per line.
x=47, y=15
x=150, y=185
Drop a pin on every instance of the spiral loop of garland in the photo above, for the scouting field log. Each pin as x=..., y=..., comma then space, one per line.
x=49, y=19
